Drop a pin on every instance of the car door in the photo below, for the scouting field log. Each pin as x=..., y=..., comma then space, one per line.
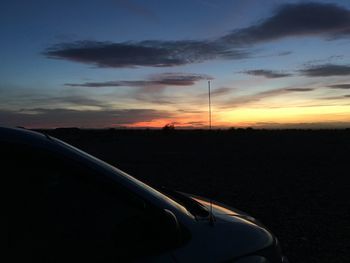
x=61, y=211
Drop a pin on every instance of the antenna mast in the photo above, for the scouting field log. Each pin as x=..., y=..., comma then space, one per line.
x=211, y=215
x=209, y=104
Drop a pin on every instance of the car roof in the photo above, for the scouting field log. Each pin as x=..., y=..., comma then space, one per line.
x=32, y=138
x=22, y=135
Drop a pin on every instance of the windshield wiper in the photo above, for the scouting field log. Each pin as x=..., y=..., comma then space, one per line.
x=194, y=207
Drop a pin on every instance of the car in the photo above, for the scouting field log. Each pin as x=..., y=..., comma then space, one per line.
x=64, y=205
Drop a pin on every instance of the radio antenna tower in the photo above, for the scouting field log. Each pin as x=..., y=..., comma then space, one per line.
x=209, y=104
x=211, y=215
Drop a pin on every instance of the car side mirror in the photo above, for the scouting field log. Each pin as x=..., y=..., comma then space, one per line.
x=171, y=226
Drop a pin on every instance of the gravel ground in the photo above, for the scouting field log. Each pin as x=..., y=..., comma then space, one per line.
x=295, y=181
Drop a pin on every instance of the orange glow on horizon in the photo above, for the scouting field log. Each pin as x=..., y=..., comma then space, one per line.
x=243, y=117
x=288, y=115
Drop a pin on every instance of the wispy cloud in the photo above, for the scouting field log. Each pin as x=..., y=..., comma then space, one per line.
x=303, y=125
x=321, y=61
x=221, y=91
x=303, y=19
x=242, y=100
x=339, y=86
x=216, y=92
x=50, y=118
x=197, y=123
x=45, y=98
x=326, y=70
x=284, y=53
x=162, y=80
x=150, y=90
x=267, y=73
x=338, y=97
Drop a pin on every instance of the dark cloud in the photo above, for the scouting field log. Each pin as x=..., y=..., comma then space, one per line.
x=300, y=89
x=339, y=86
x=326, y=70
x=189, y=110
x=50, y=118
x=145, y=53
x=179, y=79
x=163, y=80
x=104, y=84
x=301, y=19
x=267, y=73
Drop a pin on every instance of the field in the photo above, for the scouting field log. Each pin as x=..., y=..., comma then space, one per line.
x=295, y=181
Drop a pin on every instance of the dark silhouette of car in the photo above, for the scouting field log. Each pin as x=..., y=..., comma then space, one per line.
x=64, y=205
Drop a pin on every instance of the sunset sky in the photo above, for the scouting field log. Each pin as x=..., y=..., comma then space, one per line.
x=120, y=63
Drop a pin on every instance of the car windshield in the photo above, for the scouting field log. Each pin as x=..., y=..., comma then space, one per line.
x=122, y=176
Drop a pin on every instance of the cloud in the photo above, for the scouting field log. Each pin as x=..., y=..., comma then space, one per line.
x=144, y=53
x=327, y=60
x=220, y=91
x=195, y=124
x=16, y=98
x=216, y=92
x=242, y=100
x=50, y=118
x=337, y=97
x=339, y=86
x=159, y=80
x=76, y=100
x=303, y=125
x=151, y=89
x=326, y=70
x=267, y=73
x=302, y=19
x=284, y=53
x=300, y=89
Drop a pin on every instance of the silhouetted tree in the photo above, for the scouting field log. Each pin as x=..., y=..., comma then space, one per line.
x=169, y=127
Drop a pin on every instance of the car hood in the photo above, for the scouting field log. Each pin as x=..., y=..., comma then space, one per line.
x=233, y=235
x=219, y=209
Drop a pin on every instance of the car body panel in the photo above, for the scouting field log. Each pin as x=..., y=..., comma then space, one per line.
x=232, y=236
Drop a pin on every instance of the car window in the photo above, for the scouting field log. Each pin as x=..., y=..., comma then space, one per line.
x=59, y=208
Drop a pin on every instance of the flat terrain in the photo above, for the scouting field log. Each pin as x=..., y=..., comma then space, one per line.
x=296, y=182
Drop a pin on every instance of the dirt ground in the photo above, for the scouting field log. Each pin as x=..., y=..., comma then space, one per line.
x=295, y=181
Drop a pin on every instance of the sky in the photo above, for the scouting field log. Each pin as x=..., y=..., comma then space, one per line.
x=133, y=63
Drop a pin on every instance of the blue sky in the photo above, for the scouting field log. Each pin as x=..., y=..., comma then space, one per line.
x=137, y=63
